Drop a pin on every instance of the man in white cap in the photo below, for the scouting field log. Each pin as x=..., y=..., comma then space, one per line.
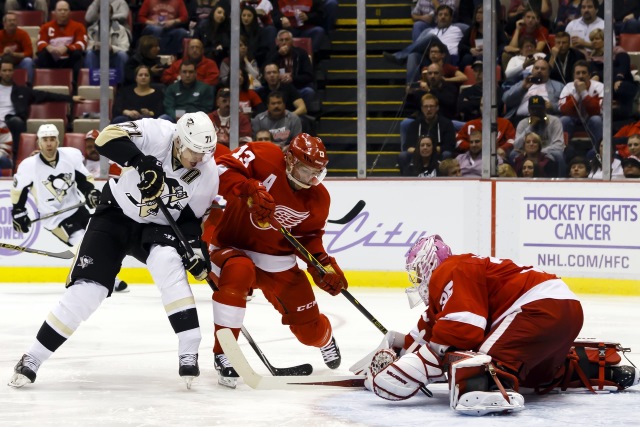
x=166, y=163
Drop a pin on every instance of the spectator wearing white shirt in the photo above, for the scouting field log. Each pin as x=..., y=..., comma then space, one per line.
x=580, y=28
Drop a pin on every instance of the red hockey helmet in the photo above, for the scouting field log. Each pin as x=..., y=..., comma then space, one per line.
x=306, y=160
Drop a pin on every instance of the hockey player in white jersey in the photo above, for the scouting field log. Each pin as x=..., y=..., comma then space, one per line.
x=171, y=162
x=58, y=179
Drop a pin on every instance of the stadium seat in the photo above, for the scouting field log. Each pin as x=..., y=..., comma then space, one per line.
x=27, y=145
x=53, y=77
x=20, y=76
x=630, y=42
x=83, y=77
x=93, y=92
x=62, y=90
x=6, y=172
x=90, y=106
x=85, y=125
x=75, y=140
x=304, y=43
x=34, y=124
x=29, y=18
x=471, y=78
x=49, y=110
x=33, y=31
x=78, y=15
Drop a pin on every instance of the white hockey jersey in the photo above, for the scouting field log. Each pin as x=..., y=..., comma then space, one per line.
x=54, y=188
x=195, y=187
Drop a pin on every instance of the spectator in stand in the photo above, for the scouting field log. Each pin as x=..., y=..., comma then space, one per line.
x=119, y=42
x=62, y=41
x=423, y=15
x=282, y=124
x=528, y=169
x=625, y=16
x=294, y=65
x=631, y=167
x=548, y=129
x=206, y=69
x=6, y=146
x=450, y=168
x=532, y=150
x=147, y=54
x=259, y=40
x=247, y=62
x=17, y=100
x=250, y=102
x=187, y=95
x=506, y=171
x=520, y=66
x=120, y=12
x=427, y=122
x=516, y=99
x=581, y=103
x=165, y=19
x=579, y=168
x=263, y=9
x=568, y=10
x=200, y=10
x=504, y=139
x=433, y=82
x=471, y=160
x=472, y=42
x=424, y=162
x=139, y=101
x=446, y=33
x=215, y=33
x=303, y=18
x=264, y=136
x=596, y=165
x=41, y=5
x=562, y=58
x=518, y=9
x=15, y=43
x=528, y=26
x=625, y=87
x=579, y=29
x=292, y=99
x=450, y=73
x=470, y=97
x=91, y=155
x=221, y=118
x=633, y=145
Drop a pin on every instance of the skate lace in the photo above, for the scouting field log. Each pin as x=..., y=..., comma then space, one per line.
x=329, y=351
x=223, y=361
x=188, y=359
x=30, y=362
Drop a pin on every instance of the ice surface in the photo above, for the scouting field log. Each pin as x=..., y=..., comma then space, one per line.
x=121, y=368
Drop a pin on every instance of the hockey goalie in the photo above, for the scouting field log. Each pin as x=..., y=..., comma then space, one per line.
x=492, y=328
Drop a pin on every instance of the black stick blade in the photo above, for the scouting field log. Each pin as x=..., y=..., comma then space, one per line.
x=351, y=215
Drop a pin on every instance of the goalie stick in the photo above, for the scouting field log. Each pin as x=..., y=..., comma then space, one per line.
x=350, y=215
x=62, y=255
x=61, y=211
x=259, y=382
x=304, y=369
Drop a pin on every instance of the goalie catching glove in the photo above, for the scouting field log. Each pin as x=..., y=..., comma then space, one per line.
x=198, y=265
x=21, y=220
x=332, y=282
x=93, y=198
x=260, y=203
x=151, y=176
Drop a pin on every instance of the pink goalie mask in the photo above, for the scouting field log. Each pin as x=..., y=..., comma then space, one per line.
x=423, y=258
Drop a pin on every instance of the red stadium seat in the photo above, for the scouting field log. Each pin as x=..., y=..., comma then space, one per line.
x=471, y=78
x=185, y=46
x=75, y=140
x=630, y=42
x=27, y=145
x=53, y=77
x=91, y=106
x=78, y=15
x=304, y=43
x=29, y=18
x=83, y=77
x=49, y=110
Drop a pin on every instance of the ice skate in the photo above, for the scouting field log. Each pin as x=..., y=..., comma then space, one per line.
x=489, y=402
x=227, y=376
x=24, y=371
x=624, y=376
x=189, y=368
x=331, y=354
x=121, y=287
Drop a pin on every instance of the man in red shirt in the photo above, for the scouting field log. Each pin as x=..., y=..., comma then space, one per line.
x=261, y=182
x=62, y=41
x=164, y=19
x=221, y=118
x=16, y=44
x=206, y=69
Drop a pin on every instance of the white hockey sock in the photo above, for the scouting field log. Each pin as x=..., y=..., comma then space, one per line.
x=189, y=341
x=39, y=352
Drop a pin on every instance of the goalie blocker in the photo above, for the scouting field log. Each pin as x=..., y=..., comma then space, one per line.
x=478, y=385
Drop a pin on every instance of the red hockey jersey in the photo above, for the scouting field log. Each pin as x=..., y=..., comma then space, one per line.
x=73, y=35
x=468, y=295
x=303, y=212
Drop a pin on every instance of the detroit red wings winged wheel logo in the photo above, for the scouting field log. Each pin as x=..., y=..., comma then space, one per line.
x=286, y=216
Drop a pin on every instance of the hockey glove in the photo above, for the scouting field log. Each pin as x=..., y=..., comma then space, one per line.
x=93, y=198
x=260, y=202
x=332, y=282
x=21, y=220
x=151, y=176
x=198, y=265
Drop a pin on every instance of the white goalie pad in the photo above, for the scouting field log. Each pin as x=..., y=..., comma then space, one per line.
x=489, y=402
x=392, y=339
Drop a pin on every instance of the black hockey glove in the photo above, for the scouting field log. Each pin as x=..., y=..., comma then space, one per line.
x=21, y=220
x=93, y=198
x=199, y=264
x=151, y=176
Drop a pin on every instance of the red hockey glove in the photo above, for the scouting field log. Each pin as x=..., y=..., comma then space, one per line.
x=332, y=282
x=259, y=201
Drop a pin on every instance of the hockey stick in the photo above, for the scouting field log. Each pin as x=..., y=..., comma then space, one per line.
x=256, y=381
x=350, y=215
x=61, y=211
x=304, y=369
x=62, y=255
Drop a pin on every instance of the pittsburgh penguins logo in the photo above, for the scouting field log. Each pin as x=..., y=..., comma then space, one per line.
x=172, y=199
x=59, y=185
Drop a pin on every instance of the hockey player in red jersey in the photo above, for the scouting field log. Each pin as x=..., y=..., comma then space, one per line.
x=261, y=183
x=492, y=326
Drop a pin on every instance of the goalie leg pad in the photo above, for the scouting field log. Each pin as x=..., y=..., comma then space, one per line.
x=404, y=377
x=489, y=402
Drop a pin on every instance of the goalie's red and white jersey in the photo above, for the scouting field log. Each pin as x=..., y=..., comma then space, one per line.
x=468, y=295
x=303, y=212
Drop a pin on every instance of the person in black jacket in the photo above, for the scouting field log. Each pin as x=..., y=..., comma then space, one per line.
x=21, y=99
x=147, y=54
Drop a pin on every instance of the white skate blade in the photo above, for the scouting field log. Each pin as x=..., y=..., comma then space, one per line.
x=18, y=380
x=228, y=381
x=485, y=402
x=188, y=380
